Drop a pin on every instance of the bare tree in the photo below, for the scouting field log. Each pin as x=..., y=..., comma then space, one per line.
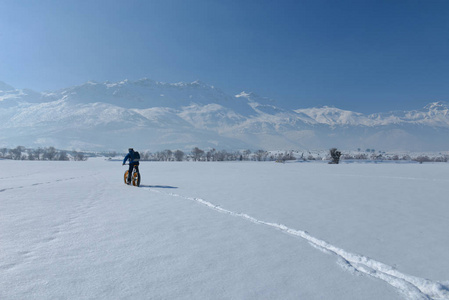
x=221, y=155
x=335, y=156
x=3, y=152
x=422, y=158
x=166, y=155
x=179, y=155
x=63, y=156
x=261, y=155
x=78, y=156
x=38, y=153
x=197, y=153
x=145, y=156
x=31, y=154
x=49, y=153
x=246, y=154
x=16, y=153
x=210, y=155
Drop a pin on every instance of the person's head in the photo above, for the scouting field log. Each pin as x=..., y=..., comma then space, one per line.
x=131, y=150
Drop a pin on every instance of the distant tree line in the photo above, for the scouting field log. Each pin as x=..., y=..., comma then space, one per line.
x=49, y=153
x=197, y=154
x=425, y=158
x=370, y=154
x=395, y=157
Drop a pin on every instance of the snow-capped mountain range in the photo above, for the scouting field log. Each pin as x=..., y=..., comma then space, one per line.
x=151, y=115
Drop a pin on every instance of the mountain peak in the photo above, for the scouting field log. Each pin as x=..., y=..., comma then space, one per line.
x=146, y=83
x=199, y=82
x=254, y=98
x=195, y=84
x=327, y=110
x=439, y=105
x=244, y=95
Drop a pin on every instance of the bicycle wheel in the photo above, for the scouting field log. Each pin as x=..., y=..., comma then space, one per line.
x=126, y=177
x=136, y=179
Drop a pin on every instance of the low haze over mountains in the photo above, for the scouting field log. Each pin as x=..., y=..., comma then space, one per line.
x=151, y=115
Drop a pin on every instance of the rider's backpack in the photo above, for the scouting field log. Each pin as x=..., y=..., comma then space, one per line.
x=136, y=156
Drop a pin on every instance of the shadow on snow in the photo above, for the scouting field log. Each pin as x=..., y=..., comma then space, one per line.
x=159, y=186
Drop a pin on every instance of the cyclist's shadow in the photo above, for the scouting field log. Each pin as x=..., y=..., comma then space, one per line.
x=159, y=186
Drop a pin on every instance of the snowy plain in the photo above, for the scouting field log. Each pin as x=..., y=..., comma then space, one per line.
x=224, y=230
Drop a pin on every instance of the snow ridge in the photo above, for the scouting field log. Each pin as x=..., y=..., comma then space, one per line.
x=410, y=286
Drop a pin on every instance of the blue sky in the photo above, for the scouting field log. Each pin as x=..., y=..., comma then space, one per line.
x=366, y=56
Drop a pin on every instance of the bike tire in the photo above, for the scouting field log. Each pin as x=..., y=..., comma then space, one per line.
x=125, y=177
x=136, y=179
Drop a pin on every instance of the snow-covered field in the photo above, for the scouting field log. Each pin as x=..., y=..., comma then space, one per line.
x=240, y=230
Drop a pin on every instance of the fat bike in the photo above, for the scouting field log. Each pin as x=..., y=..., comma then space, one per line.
x=135, y=176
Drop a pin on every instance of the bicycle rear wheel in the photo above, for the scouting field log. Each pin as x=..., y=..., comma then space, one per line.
x=136, y=179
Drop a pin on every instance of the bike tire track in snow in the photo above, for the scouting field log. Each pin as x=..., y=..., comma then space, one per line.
x=411, y=287
x=41, y=183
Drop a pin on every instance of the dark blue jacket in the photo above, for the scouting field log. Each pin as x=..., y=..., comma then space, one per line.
x=130, y=156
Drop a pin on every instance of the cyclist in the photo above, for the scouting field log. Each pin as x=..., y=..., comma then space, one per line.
x=133, y=157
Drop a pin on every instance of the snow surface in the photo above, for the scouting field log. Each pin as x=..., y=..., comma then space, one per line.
x=247, y=230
